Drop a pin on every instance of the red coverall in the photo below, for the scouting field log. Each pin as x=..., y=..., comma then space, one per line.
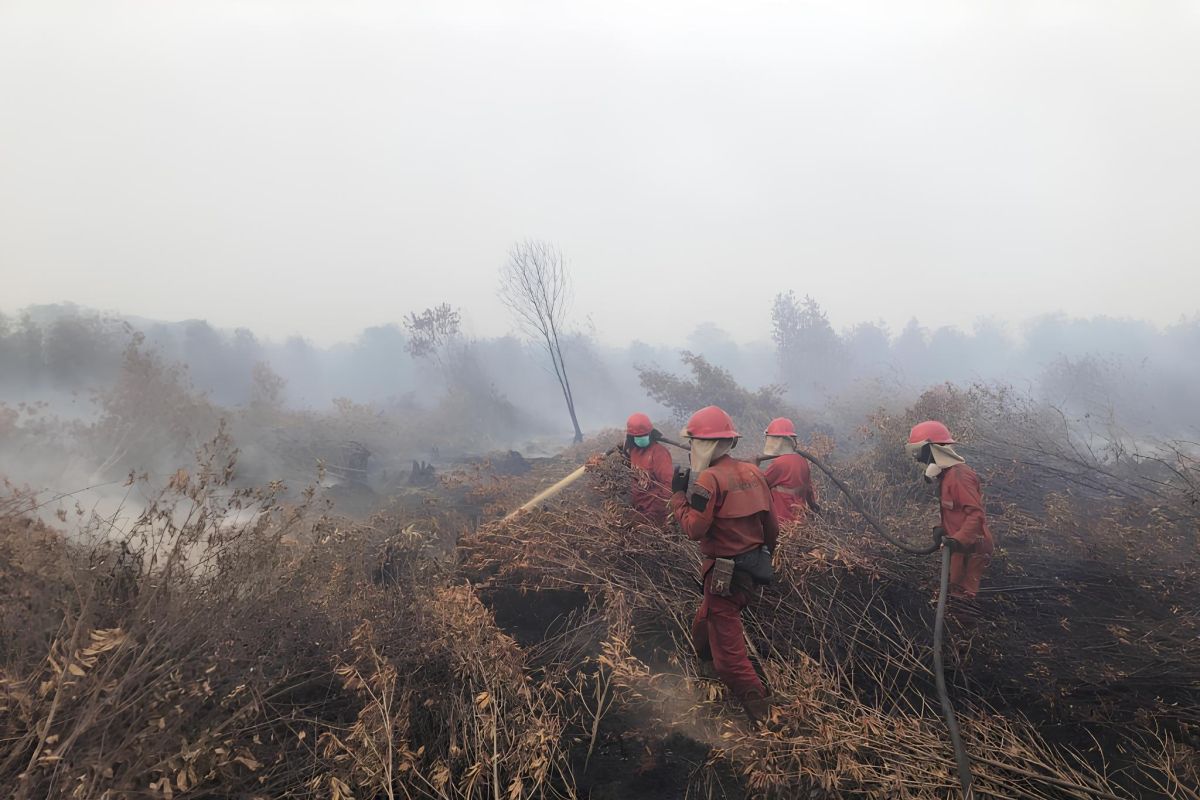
x=737, y=519
x=965, y=523
x=791, y=485
x=651, y=489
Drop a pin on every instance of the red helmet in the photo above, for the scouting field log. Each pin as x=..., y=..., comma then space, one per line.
x=638, y=425
x=711, y=422
x=781, y=426
x=930, y=431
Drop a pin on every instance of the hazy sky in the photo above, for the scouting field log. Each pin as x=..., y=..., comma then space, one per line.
x=316, y=167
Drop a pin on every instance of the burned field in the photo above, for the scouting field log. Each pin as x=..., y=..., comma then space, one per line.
x=435, y=650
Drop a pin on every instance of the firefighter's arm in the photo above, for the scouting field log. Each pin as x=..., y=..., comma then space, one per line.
x=774, y=473
x=966, y=495
x=810, y=496
x=695, y=510
x=663, y=467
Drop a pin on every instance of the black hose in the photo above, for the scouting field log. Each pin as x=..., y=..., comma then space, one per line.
x=961, y=758
x=939, y=673
x=861, y=509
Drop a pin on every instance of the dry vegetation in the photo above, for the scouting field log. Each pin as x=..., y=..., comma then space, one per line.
x=239, y=642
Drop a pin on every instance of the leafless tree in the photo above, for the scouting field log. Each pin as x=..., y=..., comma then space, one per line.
x=432, y=331
x=536, y=287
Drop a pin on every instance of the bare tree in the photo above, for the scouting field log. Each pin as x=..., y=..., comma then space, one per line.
x=432, y=331
x=535, y=286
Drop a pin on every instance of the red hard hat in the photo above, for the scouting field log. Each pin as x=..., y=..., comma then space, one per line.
x=930, y=431
x=638, y=425
x=711, y=422
x=781, y=426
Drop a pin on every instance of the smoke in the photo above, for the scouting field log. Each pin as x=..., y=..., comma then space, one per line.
x=88, y=399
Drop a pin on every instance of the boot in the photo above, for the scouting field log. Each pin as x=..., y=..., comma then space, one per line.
x=706, y=670
x=757, y=707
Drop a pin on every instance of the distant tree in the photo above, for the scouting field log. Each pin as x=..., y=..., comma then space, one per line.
x=714, y=343
x=911, y=351
x=431, y=331
x=29, y=338
x=7, y=346
x=206, y=355
x=266, y=388
x=435, y=336
x=76, y=352
x=811, y=356
x=950, y=356
x=712, y=385
x=302, y=364
x=536, y=287
x=868, y=346
x=375, y=366
x=150, y=417
x=246, y=350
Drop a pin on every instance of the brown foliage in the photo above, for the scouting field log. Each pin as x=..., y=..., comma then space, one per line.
x=1085, y=635
x=205, y=652
x=231, y=644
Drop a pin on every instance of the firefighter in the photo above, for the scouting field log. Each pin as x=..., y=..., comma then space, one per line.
x=789, y=476
x=725, y=505
x=651, y=466
x=964, y=524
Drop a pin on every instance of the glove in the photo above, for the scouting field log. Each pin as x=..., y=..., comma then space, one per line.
x=953, y=545
x=680, y=480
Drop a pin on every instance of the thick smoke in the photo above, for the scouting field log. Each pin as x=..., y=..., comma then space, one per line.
x=90, y=398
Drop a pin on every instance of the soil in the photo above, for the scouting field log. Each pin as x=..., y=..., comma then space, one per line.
x=623, y=764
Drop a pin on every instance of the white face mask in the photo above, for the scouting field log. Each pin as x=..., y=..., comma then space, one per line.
x=944, y=458
x=779, y=445
x=706, y=451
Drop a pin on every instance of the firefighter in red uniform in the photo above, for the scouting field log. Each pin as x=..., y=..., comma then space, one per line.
x=789, y=476
x=726, y=507
x=963, y=520
x=652, y=468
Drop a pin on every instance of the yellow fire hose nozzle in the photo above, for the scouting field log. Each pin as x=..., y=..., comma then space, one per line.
x=551, y=491
x=547, y=493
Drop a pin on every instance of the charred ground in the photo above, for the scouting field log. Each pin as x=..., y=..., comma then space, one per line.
x=241, y=642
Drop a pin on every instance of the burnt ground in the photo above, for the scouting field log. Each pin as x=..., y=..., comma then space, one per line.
x=624, y=764
x=1078, y=641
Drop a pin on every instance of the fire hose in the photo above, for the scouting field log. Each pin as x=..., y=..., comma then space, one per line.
x=554, y=489
x=961, y=757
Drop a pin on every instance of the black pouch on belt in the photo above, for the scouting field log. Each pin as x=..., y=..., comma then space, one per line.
x=757, y=564
x=720, y=580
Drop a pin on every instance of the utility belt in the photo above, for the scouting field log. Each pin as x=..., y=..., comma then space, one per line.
x=754, y=564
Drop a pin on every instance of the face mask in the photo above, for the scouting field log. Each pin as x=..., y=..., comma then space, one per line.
x=706, y=451
x=779, y=445
x=641, y=441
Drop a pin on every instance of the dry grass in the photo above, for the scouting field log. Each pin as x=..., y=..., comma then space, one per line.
x=1051, y=707
x=196, y=655
x=232, y=644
